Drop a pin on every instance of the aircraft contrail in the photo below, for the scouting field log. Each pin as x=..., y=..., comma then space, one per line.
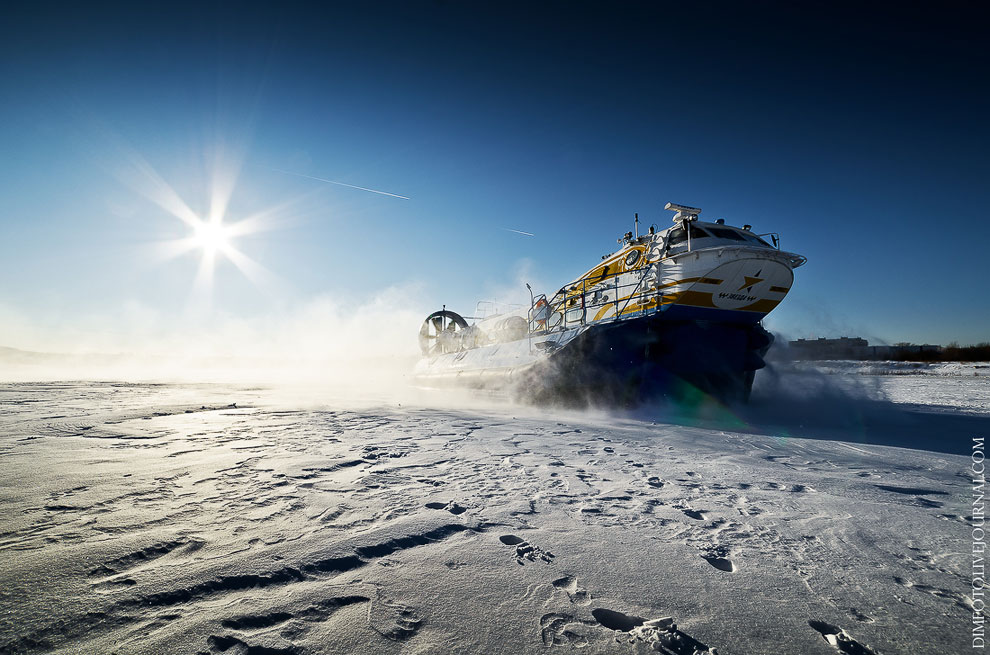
x=509, y=229
x=353, y=186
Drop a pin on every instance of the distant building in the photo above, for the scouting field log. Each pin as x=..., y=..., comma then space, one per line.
x=856, y=348
x=841, y=348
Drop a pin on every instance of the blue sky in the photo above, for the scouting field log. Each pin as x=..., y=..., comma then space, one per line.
x=861, y=136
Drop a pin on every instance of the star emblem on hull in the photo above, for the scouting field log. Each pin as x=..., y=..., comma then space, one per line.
x=750, y=281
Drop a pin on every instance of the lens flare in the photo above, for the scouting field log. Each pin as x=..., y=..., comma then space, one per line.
x=211, y=236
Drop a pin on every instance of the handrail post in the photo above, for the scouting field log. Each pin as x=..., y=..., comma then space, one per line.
x=616, y=297
x=584, y=305
x=529, y=320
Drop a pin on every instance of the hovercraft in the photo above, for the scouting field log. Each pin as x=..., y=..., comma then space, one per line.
x=673, y=313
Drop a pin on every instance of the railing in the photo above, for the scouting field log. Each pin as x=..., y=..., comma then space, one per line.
x=582, y=303
x=487, y=308
x=589, y=301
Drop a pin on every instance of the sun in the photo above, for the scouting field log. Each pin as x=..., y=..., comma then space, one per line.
x=211, y=236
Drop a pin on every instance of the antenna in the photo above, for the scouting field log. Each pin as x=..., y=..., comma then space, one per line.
x=637, y=224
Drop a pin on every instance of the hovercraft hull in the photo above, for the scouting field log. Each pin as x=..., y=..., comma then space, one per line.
x=622, y=363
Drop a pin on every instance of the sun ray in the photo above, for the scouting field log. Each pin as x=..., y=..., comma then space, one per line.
x=263, y=279
x=201, y=298
x=169, y=250
x=271, y=218
x=225, y=173
x=142, y=178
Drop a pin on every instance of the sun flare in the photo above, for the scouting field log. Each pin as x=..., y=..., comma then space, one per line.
x=211, y=236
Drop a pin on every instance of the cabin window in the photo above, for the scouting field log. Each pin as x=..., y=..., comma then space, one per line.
x=678, y=235
x=632, y=258
x=755, y=239
x=724, y=233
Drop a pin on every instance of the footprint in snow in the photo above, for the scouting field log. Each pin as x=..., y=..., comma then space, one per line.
x=451, y=507
x=564, y=629
x=569, y=585
x=840, y=639
x=718, y=556
x=525, y=550
x=662, y=634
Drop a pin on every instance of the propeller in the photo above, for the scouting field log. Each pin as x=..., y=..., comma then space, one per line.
x=437, y=324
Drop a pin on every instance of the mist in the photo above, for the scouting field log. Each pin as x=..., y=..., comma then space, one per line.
x=322, y=341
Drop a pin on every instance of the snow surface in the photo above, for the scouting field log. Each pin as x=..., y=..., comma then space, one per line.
x=964, y=386
x=209, y=519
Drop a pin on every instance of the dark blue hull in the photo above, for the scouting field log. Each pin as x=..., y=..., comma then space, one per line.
x=644, y=359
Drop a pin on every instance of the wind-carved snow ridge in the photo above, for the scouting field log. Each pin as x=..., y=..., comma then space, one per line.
x=222, y=520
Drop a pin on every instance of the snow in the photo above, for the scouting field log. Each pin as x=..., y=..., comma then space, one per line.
x=828, y=516
x=963, y=386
